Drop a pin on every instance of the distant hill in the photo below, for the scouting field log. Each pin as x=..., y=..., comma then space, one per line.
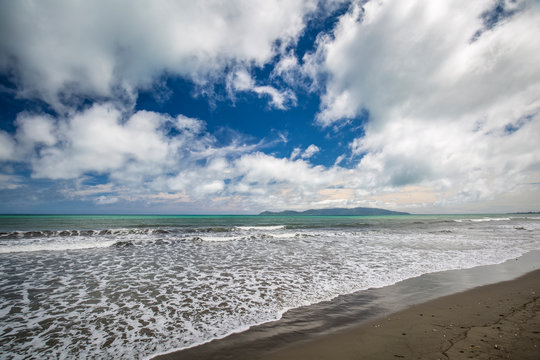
x=359, y=211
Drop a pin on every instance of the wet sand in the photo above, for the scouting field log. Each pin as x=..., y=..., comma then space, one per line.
x=498, y=321
x=413, y=319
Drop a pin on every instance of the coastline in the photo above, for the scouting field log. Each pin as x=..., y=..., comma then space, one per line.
x=496, y=321
x=342, y=323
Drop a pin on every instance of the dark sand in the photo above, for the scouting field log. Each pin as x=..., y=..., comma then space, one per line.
x=497, y=321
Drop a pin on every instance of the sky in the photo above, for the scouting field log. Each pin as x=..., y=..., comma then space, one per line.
x=240, y=106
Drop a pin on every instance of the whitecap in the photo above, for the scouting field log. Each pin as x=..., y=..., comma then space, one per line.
x=55, y=246
x=262, y=227
x=218, y=238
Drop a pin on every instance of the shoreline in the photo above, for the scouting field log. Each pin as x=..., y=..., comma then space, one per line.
x=496, y=321
x=303, y=327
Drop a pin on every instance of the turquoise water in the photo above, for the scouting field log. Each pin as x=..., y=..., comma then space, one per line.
x=92, y=222
x=109, y=286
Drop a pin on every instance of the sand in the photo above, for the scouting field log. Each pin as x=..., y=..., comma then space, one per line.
x=498, y=321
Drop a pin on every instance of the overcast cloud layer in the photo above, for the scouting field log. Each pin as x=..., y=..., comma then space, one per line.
x=446, y=94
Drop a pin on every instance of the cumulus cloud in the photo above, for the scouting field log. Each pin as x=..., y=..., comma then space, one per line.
x=103, y=140
x=289, y=69
x=241, y=80
x=417, y=59
x=104, y=200
x=96, y=141
x=34, y=130
x=452, y=89
x=59, y=51
x=295, y=153
x=263, y=169
x=449, y=93
x=152, y=157
x=306, y=154
x=463, y=161
x=269, y=182
x=310, y=151
x=7, y=146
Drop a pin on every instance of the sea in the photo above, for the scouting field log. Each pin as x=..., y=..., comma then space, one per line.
x=130, y=287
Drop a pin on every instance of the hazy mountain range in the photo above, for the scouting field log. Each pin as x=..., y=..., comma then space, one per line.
x=359, y=211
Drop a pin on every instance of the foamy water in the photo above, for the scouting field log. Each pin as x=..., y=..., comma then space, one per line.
x=151, y=285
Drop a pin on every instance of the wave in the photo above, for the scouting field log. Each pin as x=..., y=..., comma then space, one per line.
x=215, y=229
x=483, y=220
x=78, y=233
x=316, y=226
x=190, y=230
x=262, y=227
x=123, y=244
x=86, y=244
x=32, y=242
x=34, y=234
x=289, y=235
x=55, y=246
x=218, y=238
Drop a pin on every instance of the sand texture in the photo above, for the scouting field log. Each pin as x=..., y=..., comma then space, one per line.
x=498, y=321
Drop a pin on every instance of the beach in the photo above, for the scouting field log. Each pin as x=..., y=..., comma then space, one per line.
x=496, y=321
x=269, y=179
x=238, y=287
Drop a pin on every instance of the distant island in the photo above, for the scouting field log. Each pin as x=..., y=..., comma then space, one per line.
x=525, y=213
x=359, y=211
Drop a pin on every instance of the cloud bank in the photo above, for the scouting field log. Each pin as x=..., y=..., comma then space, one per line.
x=452, y=90
x=148, y=156
x=447, y=95
x=61, y=51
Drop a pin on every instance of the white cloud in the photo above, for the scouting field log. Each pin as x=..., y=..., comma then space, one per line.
x=210, y=188
x=7, y=147
x=310, y=151
x=288, y=69
x=449, y=110
x=263, y=169
x=280, y=99
x=339, y=160
x=60, y=50
x=10, y=182
x=34, y=130
x=452, y=157
x=267, y=182
x=295, y=153
x=416, y=59
x=241, y=80
x=98, y=141
x=143, y=154
x=254, y=180
x=105, y=200
x=453, y=102
x=306, y=154
x=155, y=159
x=104, y=140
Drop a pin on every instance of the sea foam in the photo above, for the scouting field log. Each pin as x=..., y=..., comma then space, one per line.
x=132, y=292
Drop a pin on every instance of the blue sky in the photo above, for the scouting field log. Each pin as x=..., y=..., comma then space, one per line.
x=244, y=106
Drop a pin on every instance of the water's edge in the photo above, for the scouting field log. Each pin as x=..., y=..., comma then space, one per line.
x=307, y=322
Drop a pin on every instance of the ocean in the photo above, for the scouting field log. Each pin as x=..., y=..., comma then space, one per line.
x=129, y=287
